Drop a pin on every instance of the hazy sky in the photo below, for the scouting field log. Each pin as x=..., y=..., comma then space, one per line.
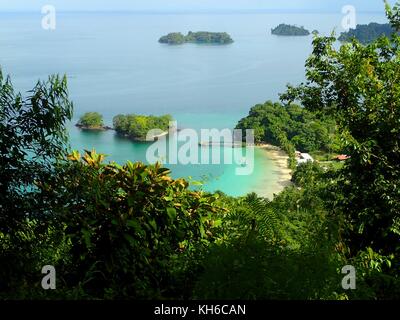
x=193, y=5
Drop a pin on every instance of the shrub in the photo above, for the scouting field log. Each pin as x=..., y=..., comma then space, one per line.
x=127, y=225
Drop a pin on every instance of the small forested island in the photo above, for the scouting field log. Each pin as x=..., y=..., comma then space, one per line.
x=197, y=37
x=136, y=127
x=289, y=30
x=92, y=121
x=367, y=33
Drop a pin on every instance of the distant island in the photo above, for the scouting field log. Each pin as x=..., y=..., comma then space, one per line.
x=92, y=121
x=136, y=127
x=197, y=37
x=290, y=30
x=367, y=33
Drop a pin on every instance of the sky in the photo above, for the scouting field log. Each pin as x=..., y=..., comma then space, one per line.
x=193, y=5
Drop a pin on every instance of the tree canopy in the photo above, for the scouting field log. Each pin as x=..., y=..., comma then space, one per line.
x=300, y=127
x=197, y=37
x=290, y=30
x=359, y=86
x=138, y=126
x=91, y=120
x=366, y=33
x=32, y=136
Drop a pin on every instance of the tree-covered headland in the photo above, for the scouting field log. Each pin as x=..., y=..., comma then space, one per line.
x=275, y=123
x=366, y=33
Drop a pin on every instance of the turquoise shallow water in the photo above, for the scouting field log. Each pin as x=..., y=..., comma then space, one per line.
x=214, y=177
x=115, y=64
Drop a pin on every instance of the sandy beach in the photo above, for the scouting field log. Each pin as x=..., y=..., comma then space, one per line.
x=283, y=173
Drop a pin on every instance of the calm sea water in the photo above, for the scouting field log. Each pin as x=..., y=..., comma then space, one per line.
x=115, y=64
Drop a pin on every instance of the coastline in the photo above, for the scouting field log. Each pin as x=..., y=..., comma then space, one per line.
x=139, y=140
x=283, y=173
x=270, y=178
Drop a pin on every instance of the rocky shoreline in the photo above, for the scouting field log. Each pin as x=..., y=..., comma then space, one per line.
x=97, y=128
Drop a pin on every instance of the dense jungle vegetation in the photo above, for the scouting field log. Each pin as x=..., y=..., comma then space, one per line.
x=91, y=120
x=366, y=33
x=303, y=129
x=138, y=126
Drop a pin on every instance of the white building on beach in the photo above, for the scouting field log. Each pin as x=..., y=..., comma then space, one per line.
x=303, y=158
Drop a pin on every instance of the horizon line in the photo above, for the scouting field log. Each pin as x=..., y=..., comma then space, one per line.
x=204, y=11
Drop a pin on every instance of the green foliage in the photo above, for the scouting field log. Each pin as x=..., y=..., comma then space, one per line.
x=173, y=38
x=91, y=120
x=289, y=30
x=393, y=14
x=24, y=252
x=301, y=258
x=379, y=280
x=359, y=86
x=126, y=224
x=254, y=270
x=32, y=136
x=307, y=173
x=138, y=126
x=272, y=250
x=282, y=125
x=209, y=37
x=197, y=37
x=367, y=33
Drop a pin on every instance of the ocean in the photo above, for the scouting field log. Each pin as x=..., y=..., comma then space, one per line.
x=115, y=65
